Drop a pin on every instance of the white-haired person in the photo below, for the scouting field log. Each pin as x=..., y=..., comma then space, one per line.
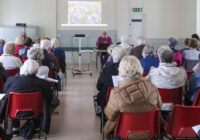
x=49, y=59
x=173, y=43
x=28, y=44
x=167, y=75
x=137, y=50
x=104, y=39
x=28, y=82
x=133, y=94
x=36, y=53
x=58, y=52
x=191, y=56
x=105, y=79
x=19, y=41
x=7, y=59
x=125, y=44
x=149, y=58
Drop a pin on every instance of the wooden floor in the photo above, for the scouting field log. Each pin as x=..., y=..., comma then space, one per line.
x=76, y=119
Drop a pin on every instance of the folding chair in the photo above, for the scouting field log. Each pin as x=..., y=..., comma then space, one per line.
x=189, y=73
x=102, y=111
x=12, y=72
x=197, y=99
x=182, y=120
x=148, y=122
x=30, y=103
x=23, y=59
x=145, y=74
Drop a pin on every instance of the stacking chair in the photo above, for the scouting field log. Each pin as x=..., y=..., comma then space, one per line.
x=182, y=120
x=58, y=58
x=12, y=72
x=148, y=122
x=171, y=95
x=197, y=99
x=63, y=75
x=102, y=111
x=23, y=59
x=21, y=103
x=145, y=74
x=189, y=73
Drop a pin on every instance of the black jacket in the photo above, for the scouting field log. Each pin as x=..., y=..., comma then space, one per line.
x=27, y=84
x=105, y=81
x=50, y=61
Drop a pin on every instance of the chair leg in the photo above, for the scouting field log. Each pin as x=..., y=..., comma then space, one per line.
x=45, y=136
x=102, y=123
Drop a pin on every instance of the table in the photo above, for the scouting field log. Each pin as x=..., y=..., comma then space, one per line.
x=97, y=51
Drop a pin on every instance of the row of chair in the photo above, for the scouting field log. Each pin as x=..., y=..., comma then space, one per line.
x=182, y=119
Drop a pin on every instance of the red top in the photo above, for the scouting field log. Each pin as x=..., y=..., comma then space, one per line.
x=18, y=47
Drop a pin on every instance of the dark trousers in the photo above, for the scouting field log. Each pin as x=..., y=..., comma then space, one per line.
x=104, y=58
x=16, y=123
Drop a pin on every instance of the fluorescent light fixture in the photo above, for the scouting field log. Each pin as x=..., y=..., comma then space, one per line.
x=84, y=25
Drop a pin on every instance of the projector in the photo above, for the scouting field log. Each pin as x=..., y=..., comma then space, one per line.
x=21, y=24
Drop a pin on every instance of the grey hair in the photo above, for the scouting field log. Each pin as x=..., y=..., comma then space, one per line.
x=148, y=51
x=117, y=54
x=36, y=54
x=165, y=54
x=19, y=40
x=9, y=48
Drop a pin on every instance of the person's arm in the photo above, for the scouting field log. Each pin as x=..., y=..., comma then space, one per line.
x=98, y=41
x=112, y=108
x=110, y=41
x=100, y=82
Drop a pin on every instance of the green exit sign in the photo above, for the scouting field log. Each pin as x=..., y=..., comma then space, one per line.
x=137, y=9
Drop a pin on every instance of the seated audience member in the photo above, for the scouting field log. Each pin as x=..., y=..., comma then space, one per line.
x=197, y=66
x=36, y=53
x=49, y=60
x=149, y=58
x=109, y=62
x=125, y=44
x=27, y=82
x=173, y=42
x=194, y=86
x=104, y=39
x=137, y=50
x=167, y=75
x=2, y=42
x=36, y=42
x=7, y=59
x=58, y=52
x=186, y=45
x=19, y=41
x=134, y=94
x=105, y=79
x=196, y=36
x=191, y=56
x=28, y=44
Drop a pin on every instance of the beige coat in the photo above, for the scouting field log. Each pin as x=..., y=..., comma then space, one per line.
x=132, y=95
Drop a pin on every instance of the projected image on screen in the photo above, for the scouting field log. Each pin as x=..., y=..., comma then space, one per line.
x=84, y=12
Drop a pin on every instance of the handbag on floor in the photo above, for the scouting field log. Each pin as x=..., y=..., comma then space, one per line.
x=97, y=107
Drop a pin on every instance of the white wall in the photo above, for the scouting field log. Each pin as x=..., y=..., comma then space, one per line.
x=41, y=13
x=163, y=17
x=198, y=17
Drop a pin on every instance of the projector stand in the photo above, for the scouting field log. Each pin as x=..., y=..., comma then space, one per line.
x=80, y=71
